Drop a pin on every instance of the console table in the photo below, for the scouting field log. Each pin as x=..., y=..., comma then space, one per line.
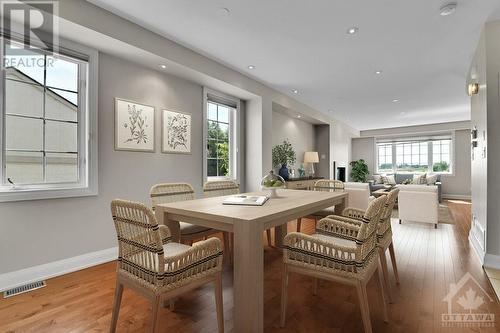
x=301, y=183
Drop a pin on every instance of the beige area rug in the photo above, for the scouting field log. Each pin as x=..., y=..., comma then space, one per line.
x=444, y=214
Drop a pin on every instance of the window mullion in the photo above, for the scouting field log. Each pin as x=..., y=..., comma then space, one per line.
x=44, y=154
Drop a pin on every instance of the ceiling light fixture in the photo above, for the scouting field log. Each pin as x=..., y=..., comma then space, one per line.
x=378, y=72
x=251, y=67
x=295, y=91
x=224, y=10
x=395, y=100
x=299, y=116
x=163, y=66
x=352, y=30
x=448, y=9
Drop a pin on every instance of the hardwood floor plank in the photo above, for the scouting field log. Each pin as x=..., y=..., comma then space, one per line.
x=429, y=260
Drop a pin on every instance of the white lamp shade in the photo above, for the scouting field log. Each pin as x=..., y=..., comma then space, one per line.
x=311, y=157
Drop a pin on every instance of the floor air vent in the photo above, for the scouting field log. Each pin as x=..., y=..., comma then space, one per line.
x=23, y=289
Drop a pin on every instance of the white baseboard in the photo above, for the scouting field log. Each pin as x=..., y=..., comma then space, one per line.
x=491, y=261
x=456, y=196
x=477, y=248
x=56, y=268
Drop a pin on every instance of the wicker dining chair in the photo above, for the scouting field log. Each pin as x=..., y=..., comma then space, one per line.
x=218, y=188
x=326, y=185
x=173, y=192
x=157, y=268
x=342, y=250
x=384, y=236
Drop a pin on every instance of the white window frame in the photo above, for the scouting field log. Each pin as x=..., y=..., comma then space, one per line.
x=430, y=156
x=87, y=135
x=234, y=134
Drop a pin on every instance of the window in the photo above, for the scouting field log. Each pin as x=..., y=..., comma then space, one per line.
x=411, y=156
x=423, y=155
x=221, y=140
x=384, y=157
x=441, y=155
x=46, y=124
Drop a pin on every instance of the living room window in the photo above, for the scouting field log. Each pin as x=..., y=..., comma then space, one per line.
x=415, y=155
x=221, y=128
x=46, y=123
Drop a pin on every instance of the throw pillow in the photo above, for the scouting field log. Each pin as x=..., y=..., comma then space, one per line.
x=419, y=179
x=377, y=179
x=390, y=180
x=432, y=179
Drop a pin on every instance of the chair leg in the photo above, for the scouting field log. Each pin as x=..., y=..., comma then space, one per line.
x=299, y=224
x=382, y=294
x=393, y=260
x=227, y=250
x=218, y=302
x=116, y=306
x=385, y=272
x=284, y=295
x=315, y=286
x=363, y=304
x=154, y=320
x=269, y=240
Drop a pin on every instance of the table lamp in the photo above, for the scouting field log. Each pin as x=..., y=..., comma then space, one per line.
x=311, y=157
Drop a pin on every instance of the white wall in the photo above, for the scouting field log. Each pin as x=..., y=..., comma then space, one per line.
x=340, y=146
x=298, y=132
x=38, y=232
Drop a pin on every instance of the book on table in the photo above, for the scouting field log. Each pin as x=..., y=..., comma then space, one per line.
x=245, y=200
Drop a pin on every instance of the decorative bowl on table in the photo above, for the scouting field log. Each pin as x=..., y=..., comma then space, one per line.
x=271, y=182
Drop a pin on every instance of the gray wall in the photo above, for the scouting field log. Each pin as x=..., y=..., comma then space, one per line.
x=299, y=133
x=37, y=232
x=322, y=139
x=458, y=184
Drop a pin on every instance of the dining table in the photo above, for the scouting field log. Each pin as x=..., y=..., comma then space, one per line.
x=248, y=224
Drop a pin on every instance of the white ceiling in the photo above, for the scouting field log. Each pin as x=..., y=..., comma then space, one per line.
x=303, y=45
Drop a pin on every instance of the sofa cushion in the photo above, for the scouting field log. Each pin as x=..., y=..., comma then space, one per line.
x=389, y=180
x=419, y=179
x=377, y=179
x=402, y=177
x=431, y=179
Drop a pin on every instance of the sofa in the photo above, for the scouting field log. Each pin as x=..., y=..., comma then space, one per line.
x=402, y=177
x=418, y=203
x=359, y=195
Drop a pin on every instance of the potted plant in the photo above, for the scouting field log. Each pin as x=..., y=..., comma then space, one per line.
x=359, y=171
x=283, y=155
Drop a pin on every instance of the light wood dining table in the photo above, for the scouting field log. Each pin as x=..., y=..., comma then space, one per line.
x=248, y=223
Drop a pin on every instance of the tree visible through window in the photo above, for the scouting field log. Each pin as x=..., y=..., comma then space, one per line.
x=219, y=140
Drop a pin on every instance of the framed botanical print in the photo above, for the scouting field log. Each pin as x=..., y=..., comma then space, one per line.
x=176, y=132
x=134, y=126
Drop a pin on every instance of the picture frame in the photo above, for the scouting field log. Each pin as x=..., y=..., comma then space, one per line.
x=176, y=132
x=134, y=126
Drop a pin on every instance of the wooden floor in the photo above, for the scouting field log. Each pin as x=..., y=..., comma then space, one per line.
x=429, y=261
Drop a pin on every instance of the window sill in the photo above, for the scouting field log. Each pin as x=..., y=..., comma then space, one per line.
x=30, y=193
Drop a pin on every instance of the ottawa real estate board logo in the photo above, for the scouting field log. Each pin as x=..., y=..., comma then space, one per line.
x=467, y=305
x=28, y=26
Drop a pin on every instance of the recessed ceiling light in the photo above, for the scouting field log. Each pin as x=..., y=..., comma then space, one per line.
x=295, y=91
x=163, y=66
x=251, y=67
x=378, y=72
x=299, y=116
x=395, y=100
x=448, y=9
x=224, y=10
x=402, y=113
x=330, y=111
x=352, y=30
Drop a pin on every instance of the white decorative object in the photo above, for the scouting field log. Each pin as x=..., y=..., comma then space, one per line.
x=176, y=132
x=134, y=126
